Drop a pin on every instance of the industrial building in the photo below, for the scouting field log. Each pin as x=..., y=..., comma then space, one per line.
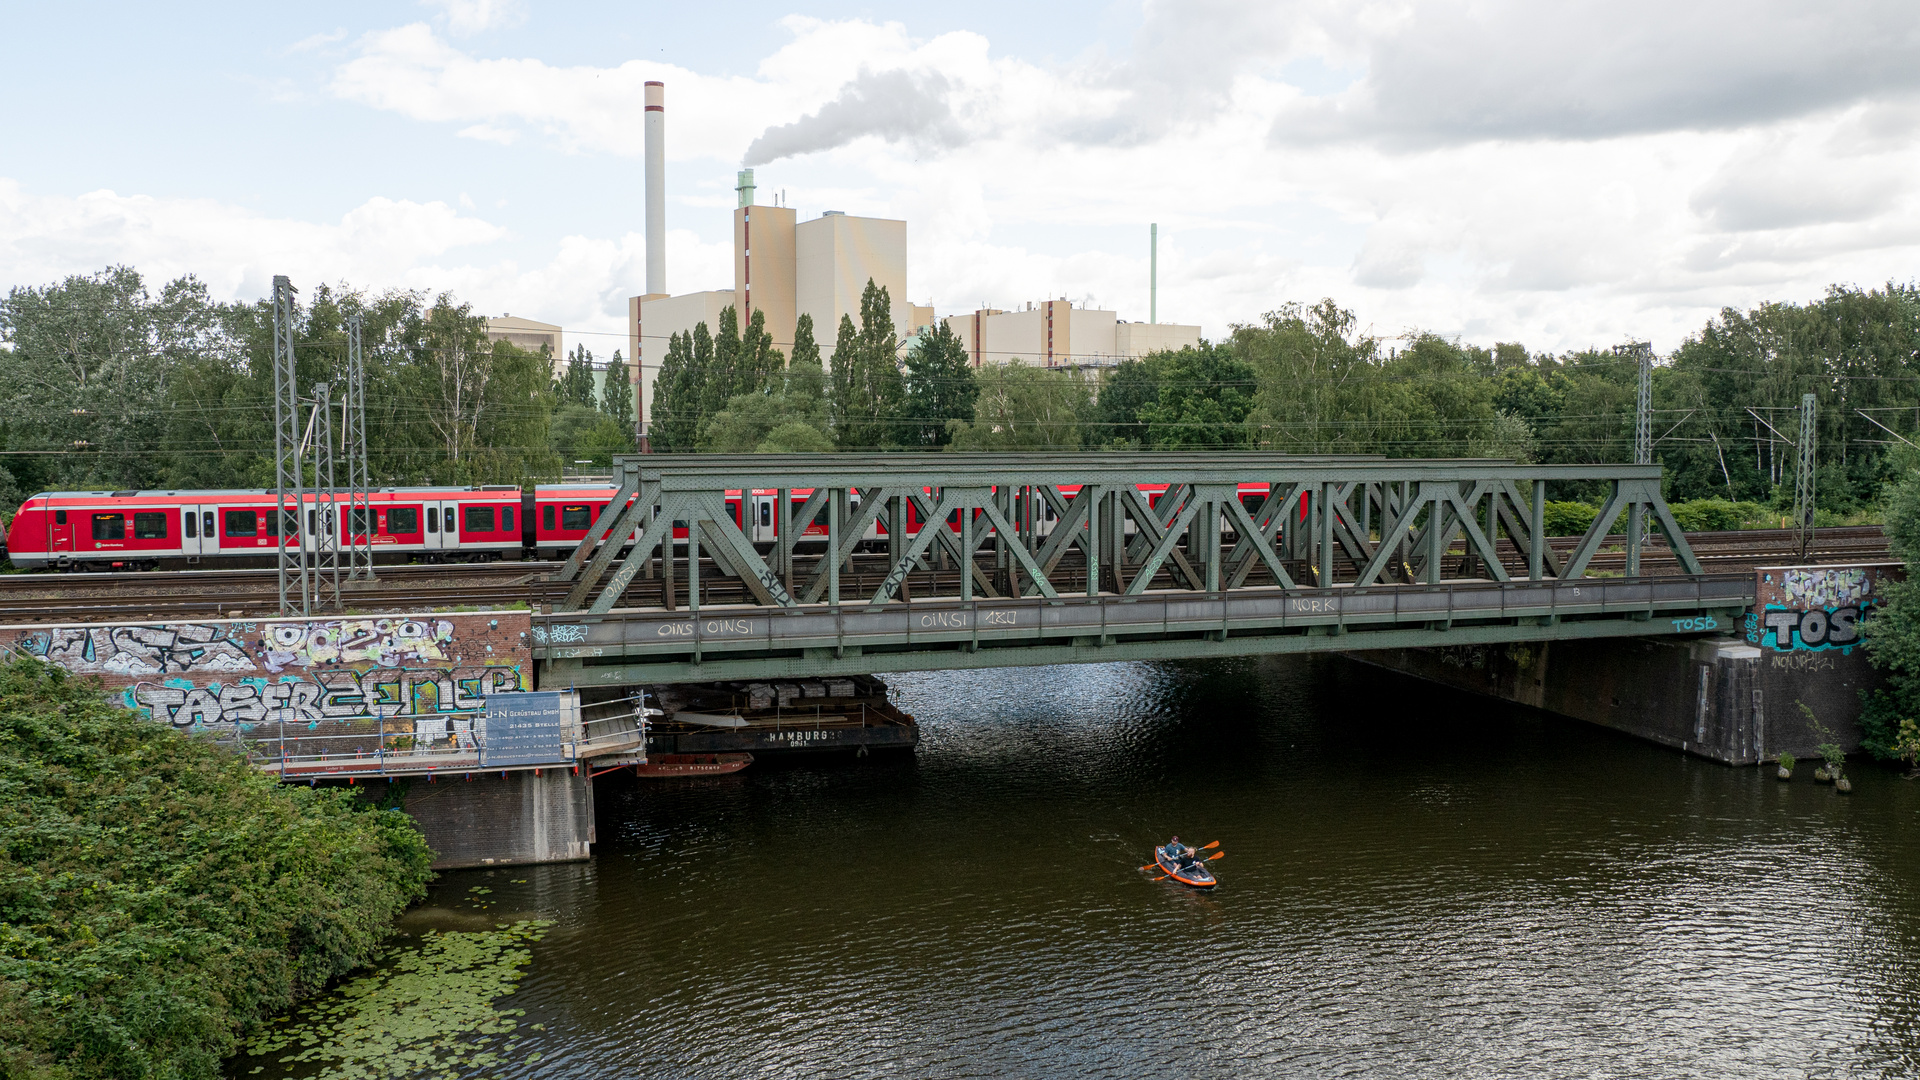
x=529, y=335
x=1054, y=333
x=784, y=268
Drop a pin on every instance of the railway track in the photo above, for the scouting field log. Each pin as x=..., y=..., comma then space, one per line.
x=253, y=593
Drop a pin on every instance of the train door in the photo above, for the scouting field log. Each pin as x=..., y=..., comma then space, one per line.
x=762, y=519
x=198, y=534
x=60, y=534
x=443, y=530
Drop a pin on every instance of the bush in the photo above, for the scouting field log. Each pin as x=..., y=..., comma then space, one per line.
x=158, y=896
x=1569, y=518
x=1718, y=515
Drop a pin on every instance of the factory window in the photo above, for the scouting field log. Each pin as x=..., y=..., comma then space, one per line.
x=151, y=525
x=109, y=527
x=479, y=519
x=402, y=520
x=242, y=523
x=546, y=518
x=576, y=518
x=506, y=519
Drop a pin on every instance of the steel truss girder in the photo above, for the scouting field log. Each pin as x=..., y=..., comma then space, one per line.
x=1197, y=530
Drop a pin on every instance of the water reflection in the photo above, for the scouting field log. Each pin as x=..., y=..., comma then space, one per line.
x=1416, y=884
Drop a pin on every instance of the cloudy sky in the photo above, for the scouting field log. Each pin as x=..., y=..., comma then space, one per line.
x=1559, y=174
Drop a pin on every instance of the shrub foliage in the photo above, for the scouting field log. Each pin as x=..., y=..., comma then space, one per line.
x=157, y=896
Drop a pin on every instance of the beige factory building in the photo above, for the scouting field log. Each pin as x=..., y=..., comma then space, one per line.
x=785, y=268
x=1054, y=333
x=529, y=335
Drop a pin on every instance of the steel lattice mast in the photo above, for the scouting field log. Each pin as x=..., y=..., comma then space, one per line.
x=1643, y=407
x=353, y=416
x=321, y=519
x=287, y=473
x=1803, y=479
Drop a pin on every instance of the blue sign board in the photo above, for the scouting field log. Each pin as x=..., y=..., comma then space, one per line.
x=525, y=729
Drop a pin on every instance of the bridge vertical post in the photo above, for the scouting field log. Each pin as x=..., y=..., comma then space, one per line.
x=966, y=555
x=783, y=536
x=1366, y=512
x=1537, y=533
x=693, y=561
x=1092, y=494
x=1636, y=535
x=1325, y=498
x=1436, y=538
x=833, y=547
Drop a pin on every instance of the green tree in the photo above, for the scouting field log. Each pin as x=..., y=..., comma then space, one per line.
x=1205, y=397
x=1132, y=385
x=616, y=394
x=804, y=374
x=870, y=393
x=1892, y=635
x=749, y=420
x=676, y=399
x=582, y=434
x=1025, y=408
x=761, y=364
x=843, y=401
x=939, y=386
x=726, y=374
x=575, y=385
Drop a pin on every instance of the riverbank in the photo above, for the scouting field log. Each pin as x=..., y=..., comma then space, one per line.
x=158, y=897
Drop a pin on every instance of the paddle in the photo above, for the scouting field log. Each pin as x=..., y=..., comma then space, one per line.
x=1216, y=855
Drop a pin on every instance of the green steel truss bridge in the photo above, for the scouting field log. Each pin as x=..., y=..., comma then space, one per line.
x=1052, y=558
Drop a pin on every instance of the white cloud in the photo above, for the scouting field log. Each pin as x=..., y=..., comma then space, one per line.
x=1562, y=175
x=472, y=16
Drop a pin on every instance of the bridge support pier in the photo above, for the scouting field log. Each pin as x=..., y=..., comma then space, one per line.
x=498, y=819
x=1717, y=698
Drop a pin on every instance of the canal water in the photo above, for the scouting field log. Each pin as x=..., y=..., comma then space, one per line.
x=1416, y=884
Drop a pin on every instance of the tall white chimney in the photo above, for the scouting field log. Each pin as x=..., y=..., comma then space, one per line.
x=656, y=188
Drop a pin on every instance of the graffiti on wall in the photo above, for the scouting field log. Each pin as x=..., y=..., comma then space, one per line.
x=302, y=673
x=1816, y=608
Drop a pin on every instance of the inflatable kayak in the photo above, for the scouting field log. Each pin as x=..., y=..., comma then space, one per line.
x=1184, y=865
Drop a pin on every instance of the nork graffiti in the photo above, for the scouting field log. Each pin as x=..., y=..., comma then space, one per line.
x=299, y=673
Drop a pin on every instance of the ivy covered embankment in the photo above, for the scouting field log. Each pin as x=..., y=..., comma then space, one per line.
x=158, y=897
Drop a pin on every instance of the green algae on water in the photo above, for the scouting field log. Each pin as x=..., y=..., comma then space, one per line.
x=432, y=1008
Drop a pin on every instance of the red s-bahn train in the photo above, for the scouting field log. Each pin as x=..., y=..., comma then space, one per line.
x=145, y=530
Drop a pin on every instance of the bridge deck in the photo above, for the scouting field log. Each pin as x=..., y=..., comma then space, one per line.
x=736, y=642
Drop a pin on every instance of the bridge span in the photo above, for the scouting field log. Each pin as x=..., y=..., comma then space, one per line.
x=1046, y=558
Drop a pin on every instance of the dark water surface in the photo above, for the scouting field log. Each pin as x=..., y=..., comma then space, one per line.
x=1417, y=883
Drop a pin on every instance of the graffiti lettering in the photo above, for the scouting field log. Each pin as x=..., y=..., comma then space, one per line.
x=1786, y=629
x=1695, y=624
x=728, y=626
x=955, y=619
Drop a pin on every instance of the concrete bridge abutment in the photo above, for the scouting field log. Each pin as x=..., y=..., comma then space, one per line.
x=1791, y=680
x=498, y=819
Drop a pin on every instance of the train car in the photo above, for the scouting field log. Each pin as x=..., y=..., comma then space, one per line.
x=143, y=530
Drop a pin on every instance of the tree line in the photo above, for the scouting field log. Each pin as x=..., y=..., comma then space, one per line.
x=117, y=386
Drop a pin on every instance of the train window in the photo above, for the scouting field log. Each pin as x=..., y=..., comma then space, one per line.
x=576, y=517
x=546, y=518
x=479, y=519
x=433, y=520
x=109, y=527
x=766, y=514
x=403, y=519
x=359, y=520
x=206, y=523
x=506, y=519
x=449, y=517
x=151, y=525
x=189, y=522
x=1252, y=502
x=243, y=523
x=310, y=526
x=59, y=517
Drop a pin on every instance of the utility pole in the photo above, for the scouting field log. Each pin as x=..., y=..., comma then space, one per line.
x=287, y=477
x=1643, y=407
x=1803, y=477
x=353, y=425
x=322, y=523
